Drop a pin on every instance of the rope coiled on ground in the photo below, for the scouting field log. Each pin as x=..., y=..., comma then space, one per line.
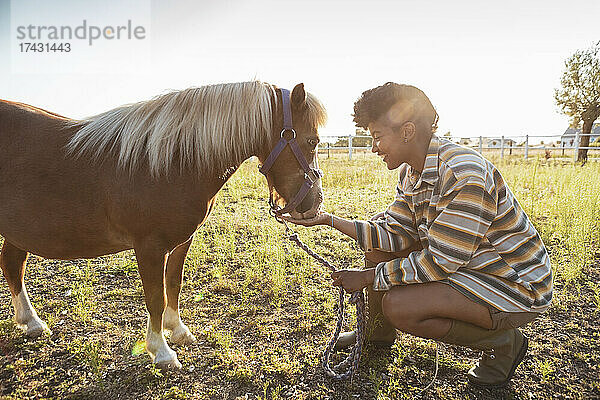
x=348, y=367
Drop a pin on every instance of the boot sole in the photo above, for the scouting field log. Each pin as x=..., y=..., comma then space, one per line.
x=517, y=362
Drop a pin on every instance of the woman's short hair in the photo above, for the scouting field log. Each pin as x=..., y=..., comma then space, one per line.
x=401, y=103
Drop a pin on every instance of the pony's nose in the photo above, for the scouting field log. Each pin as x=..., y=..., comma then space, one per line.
x=306, y=204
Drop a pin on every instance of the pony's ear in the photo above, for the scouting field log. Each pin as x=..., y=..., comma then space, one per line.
x=298, y=95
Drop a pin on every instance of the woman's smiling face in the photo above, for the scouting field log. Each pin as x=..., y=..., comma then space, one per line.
x=388, y=144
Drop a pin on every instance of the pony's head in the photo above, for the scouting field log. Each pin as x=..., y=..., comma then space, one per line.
x=286, y=176
x=210, y=130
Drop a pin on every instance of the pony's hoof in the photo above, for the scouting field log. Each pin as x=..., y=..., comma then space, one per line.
x=168, y=364
x=183, y=336
x=35, y=328
x=167, y=360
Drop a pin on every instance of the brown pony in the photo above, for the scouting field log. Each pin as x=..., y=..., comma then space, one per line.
x=141, y=176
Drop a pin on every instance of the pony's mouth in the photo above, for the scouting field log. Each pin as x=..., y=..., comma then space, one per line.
x=281, y=202
x=305, y=215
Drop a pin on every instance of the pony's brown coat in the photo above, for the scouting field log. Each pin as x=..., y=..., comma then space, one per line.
x=65, y=205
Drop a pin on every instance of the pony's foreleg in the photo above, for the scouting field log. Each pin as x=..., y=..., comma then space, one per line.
x=151, y=264
x=180, y=333
x=12, y=260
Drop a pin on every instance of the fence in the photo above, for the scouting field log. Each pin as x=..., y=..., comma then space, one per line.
x=495, y=144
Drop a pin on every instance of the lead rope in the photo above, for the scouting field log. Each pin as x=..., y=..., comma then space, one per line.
x=437, y=364
x=350, y=364
x=348, y=367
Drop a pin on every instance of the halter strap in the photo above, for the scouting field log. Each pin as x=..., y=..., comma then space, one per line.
x=287, y=110
x=311, y=175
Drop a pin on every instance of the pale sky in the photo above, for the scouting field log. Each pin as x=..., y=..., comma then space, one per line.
x=489, y=68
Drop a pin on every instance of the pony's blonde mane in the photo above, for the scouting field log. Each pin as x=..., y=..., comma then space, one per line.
x=211, y=128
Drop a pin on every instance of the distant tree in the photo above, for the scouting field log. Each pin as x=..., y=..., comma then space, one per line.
x=579, y=95
x=360, y=139
x=341, y=142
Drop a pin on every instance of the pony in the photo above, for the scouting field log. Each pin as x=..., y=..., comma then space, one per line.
x=142, y=176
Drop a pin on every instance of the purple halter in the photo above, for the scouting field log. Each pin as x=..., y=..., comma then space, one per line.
x=311, y=175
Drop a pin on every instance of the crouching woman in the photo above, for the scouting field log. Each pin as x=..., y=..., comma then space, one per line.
x=454, y=257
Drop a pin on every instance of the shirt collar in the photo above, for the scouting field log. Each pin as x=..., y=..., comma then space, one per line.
x=430, y=167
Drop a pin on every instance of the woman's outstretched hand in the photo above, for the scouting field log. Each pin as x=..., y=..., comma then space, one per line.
x=322, y=218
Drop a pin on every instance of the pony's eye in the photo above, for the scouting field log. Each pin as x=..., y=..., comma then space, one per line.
x=313, y=142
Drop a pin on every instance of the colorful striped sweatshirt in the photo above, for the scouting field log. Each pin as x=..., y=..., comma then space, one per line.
x=474, y=234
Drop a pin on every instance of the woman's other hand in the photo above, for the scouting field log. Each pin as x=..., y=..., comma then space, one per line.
x=353, y=280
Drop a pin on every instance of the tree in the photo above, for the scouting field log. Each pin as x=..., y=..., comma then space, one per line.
x=360, y=139
x=579, y=95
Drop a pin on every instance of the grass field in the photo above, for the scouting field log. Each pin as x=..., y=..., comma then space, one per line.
x=262, y=310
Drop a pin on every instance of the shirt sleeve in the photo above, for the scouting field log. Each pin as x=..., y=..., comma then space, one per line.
x=394, y=232
x=453, y=237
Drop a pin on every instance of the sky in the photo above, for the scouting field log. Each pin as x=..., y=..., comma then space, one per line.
x=489, y=68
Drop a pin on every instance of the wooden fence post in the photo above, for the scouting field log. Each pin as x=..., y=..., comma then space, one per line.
x=350, y=148
x=576, y=146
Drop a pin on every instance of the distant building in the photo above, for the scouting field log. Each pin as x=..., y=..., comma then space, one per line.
x=568, y=138
x=496, y=143
x=467, y=142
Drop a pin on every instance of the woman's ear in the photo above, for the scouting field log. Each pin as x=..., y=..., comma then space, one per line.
x=409, y=130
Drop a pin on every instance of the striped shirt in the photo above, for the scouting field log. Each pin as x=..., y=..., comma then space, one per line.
x=475, y=235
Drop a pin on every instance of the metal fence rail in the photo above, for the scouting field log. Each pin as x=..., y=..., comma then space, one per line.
x=505, y=144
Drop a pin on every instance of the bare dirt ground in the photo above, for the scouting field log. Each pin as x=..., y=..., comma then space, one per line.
x=267, y=350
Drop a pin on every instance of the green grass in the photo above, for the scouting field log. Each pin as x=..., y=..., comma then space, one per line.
x=263, y=310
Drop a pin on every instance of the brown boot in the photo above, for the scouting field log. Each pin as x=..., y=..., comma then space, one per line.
x=380, y=332
x=503, y=351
